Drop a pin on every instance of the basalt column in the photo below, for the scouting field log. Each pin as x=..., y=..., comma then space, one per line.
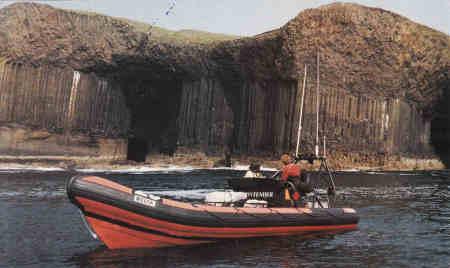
x=59, y=111
x=267, y=112
x=364, y=124
x=351, y=123
x=205, y=119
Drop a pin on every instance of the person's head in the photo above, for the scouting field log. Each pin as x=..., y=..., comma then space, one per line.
x=285, y=159
x=255, y=167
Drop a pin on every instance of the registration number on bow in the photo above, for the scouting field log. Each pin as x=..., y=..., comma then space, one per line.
x=144, y=201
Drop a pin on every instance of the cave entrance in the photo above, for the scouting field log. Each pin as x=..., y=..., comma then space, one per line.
x=154, y=106
x=137, y=149
x=440, y=126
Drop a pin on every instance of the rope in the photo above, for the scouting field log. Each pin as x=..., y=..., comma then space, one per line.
x=280, y=214
x=244, y=212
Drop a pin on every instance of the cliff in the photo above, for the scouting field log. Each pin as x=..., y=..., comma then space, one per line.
x=108, y=87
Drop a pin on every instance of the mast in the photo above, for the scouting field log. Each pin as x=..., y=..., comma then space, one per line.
x=317, y=108
x=299, y=133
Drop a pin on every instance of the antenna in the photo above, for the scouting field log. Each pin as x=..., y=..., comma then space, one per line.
x=317, y=108
x=299, y=133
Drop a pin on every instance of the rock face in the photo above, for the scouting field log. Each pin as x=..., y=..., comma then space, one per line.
x=384, y=84
x=63, y=102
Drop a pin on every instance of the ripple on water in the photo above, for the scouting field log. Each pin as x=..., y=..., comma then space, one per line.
x=404, y=223
x=33, y=194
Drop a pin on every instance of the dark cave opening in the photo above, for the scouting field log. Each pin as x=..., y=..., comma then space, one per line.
x=440, y=126
x=137, y=149
x=154, y=106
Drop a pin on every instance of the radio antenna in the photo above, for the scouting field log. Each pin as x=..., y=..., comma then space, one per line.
x=299, y=133
x=317, y=108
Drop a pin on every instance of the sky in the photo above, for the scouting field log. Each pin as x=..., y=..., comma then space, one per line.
x=244, y=17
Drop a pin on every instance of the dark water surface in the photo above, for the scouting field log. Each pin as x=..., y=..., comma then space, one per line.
x=405, y=222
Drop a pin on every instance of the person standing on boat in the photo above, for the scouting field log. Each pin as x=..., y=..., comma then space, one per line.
x=297, y=184
x=290, y=169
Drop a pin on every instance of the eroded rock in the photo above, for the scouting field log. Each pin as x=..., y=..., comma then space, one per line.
x=382, y=79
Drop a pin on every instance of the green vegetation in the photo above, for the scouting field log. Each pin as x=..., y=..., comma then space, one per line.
x=168, y=36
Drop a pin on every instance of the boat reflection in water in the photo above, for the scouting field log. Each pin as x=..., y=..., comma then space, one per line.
x=281, y=248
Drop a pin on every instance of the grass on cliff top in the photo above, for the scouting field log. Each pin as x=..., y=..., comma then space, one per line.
x=168, y=36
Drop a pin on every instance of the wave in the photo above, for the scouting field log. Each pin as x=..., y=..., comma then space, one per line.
x=38, y=193
x=241, y=168
x=350, y=170
x=374, y=172
x=10, y=194
x=394, y=193
x=177, y=169
x=18, y=169
x=136, y=170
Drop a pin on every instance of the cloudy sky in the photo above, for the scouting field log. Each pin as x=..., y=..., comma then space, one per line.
x=244, y=17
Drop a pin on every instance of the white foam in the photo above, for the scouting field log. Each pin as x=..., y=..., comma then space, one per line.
x=22, y=168
x=350, y=170
x=17, y=168
x=137, y=170
x=143, y=170
x=374, y=173
x=241, y=168
x=10, y=194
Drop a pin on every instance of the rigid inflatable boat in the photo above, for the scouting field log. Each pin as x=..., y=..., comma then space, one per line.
x=124, y=218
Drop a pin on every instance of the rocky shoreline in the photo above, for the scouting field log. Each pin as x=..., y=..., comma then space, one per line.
x=201, y=161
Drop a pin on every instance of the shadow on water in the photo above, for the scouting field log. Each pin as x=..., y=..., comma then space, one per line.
x=243, y=252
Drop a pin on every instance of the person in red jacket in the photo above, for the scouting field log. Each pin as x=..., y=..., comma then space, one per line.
x=290, y=169
x=290, y=172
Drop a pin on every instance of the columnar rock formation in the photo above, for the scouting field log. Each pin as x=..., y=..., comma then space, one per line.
x=104, y=87
x=51, y=102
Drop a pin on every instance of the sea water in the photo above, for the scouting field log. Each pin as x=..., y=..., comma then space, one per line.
x=405, y=222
